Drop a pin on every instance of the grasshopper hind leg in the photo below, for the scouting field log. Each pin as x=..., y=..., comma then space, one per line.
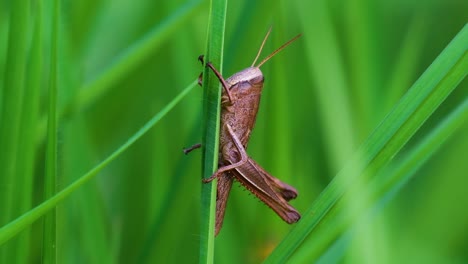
x=242, y=152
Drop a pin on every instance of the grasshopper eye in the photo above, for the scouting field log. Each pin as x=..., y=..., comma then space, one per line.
x=257, y=79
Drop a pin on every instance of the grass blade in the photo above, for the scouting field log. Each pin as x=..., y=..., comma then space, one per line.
x=439, y=80
x=27, y=153
x=12, y=101
x=10, y=114
x=409, y=54
x=393, y=178
x=378, y=191
x=49, y=248
x=332, y=89
x=212, y=94
x=10, y=230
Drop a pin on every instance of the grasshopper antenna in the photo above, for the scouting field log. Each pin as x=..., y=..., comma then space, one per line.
x=261, y=47
x=277, y=50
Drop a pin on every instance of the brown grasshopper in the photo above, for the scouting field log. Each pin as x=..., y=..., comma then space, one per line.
x=240, y=101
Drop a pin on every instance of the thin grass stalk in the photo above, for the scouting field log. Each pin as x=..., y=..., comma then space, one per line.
x=49, y=247
x=212, y=98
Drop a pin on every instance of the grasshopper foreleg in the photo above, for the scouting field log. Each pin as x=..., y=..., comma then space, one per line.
x=189, y=149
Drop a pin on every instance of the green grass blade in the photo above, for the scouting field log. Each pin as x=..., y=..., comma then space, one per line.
x=362, y=45
x=212, y=93
x=11, y=116
x=395, y=176
x=431, y=89
x=327, y=68
x=10, y=120
x=410, y=53
x=49, y=248
x=10, y=230
x=27, y=146
x=386, y=184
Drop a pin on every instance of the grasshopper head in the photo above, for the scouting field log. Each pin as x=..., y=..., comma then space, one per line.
x=252, y=75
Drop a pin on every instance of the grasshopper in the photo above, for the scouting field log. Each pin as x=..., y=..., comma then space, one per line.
x=239, y=106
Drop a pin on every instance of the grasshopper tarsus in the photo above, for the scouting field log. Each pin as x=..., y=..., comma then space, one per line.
x=200, y=59
x=210, y=179
x=200, y=79
x=293, y=217
x=189, y=149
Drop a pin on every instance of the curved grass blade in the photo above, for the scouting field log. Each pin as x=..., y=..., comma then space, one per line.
x=127, y=61
x=10, y=230
x=431, y=89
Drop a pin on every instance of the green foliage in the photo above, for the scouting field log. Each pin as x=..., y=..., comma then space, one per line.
x=429, y=91
x=372, y=93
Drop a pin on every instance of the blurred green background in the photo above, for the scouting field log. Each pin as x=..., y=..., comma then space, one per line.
x=322, y=98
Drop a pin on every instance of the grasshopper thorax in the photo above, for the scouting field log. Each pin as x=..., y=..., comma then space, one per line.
x=252, y=75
